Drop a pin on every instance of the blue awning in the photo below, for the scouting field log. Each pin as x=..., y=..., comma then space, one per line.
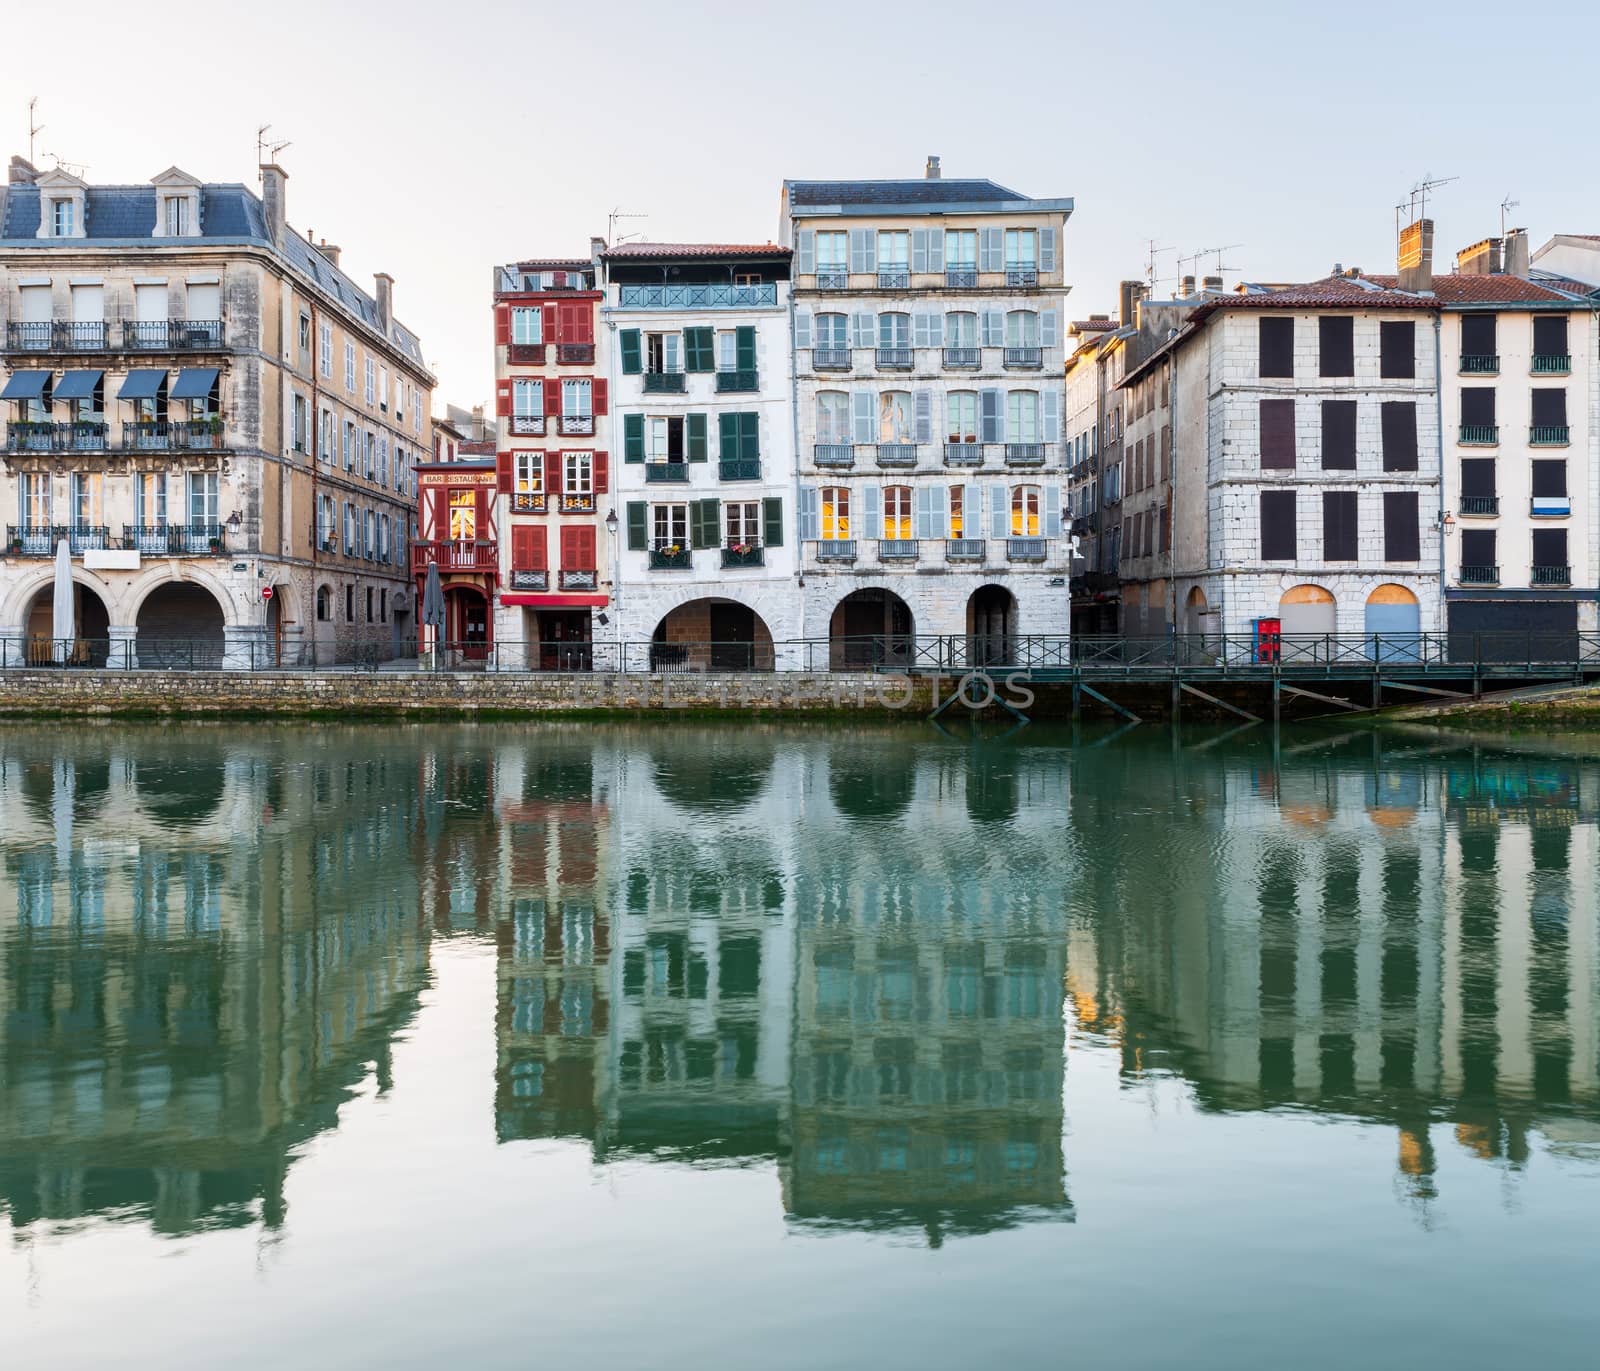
x=194, y=383
x=26, y=385
x=143, y=383
x=78, y=385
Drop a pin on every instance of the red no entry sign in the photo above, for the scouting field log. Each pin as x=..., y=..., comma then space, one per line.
x=266, y=592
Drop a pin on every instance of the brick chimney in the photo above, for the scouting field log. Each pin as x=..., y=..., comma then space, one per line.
x=1129, y=293
x=1186, y=287
x=931, y=171
x=1212, y=285
x=274, y=182
x=23, y=172
x=1481, y=259
x=1517, y=254
x=383, y=293
x=1416, y=256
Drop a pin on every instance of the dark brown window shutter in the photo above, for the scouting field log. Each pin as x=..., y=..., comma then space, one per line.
x=1277, y=526
x=1477, y=547
x=1339, y=435
x=1399, y=435
x=1339, y=526
x=1549, y=408
x=1397, y=349
x=1477, y=477
x=1277, y=435
x=1477, y=406
x=1550, y=547
x=1277, y=347
x=1550, y=478
x=1550, y=335
x=1402, y=536
x=1336, y=337
x=1477, y=335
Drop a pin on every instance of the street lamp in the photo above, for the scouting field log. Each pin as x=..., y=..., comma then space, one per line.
x=616, y=580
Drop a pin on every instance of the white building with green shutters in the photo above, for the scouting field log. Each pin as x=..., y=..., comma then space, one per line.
x=928, y=337
x=698, y=339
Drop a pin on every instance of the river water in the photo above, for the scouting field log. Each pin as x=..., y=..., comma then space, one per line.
x=681, y=1046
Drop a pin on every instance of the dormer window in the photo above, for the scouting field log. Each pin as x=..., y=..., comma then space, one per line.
x=177, y=204
x=63, y=221
x=176, y=214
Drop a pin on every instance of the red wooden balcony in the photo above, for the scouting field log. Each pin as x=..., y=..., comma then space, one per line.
x=482, y=554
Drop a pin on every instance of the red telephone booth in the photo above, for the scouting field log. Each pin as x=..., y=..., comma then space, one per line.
x=1269, y=639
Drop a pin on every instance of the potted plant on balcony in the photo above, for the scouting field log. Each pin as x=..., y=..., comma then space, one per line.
x=215, y=542
x=214, y=428
x=16, y=546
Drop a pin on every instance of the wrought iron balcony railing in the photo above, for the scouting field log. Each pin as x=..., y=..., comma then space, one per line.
x=1482, y=575
x=1479, y=506
x=1025, y=454
x=526, y=578
x=739, y=469
x=1552, y=364
x=33, y=540
x=172, y=435
x=82, y=537
x=703, y=295
x=172, y=335
x=896, y=277
x=574, y=354
x=665, y=383
x=176, y=540
x=896, y=454
x=897, y=549
x=961, y=275
x=671, y=557
x=1022, y=276
x=964, y=549
x=836, y=550
x=525, y=424
x=1025, y=549
x=963, y=359
x=833, y=278
x=578, y=578
x=1551, y=576
x=966, y=453
x=1549, y=435
x=895, y=359
x=830, y=359
x=665, y=473
x=577, y=423
x=737, y=382
x=1027, y=358
x=528, y=502
x=1480, y=435
x=577, y=503
x=57, y=335
x=1480, y=364
x=29, y=337
x=29, y=435
x=835, y=455
x=743, y=554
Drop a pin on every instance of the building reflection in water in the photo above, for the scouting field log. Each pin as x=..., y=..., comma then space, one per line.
x=859, y=960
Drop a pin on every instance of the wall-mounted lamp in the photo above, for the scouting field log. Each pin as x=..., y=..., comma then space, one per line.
x=1447, y=524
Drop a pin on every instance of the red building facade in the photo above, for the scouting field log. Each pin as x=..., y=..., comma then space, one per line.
x=458, y=530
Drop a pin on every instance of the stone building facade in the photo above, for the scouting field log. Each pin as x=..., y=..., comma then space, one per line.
x=928, y=360
x=206, y=408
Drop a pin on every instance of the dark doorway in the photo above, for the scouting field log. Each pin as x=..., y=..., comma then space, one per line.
x=565, y=640
x=467, y=624
x=733, y=636
x=870, y=628
x=992, y=621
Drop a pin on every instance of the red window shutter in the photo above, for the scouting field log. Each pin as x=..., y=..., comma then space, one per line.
x=537, y=558
x=522, y=547
x=438, y=523
x=552, y=398
x=502, y=471
x=577, y=322
x=481, y=503
x=583, y=546
x=602, y=473
x=552, y=473
x=502, y=398
x=600, y=396
x=551, y=335
x=571, y=548
x=502, y=325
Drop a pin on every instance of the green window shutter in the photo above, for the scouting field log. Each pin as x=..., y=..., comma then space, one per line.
x=705, y=523
x=638, y=529
x=772, y=521
x=632, y=358
x=727, y=436
x=745, y=348
x=750, y=435
x=633, y=437
x=695, y=430
x=698, y=350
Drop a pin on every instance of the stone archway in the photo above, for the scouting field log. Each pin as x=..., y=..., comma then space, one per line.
x=1194, y=613
x=180, y=625
x=991, y=627
x=324, y=626
x=711, y=634
x=1393, y=624
x=870, y=628
x=91, y=636
x=1308, y=619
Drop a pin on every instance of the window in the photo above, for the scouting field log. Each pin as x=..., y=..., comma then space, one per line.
x=1336, y=355
x=671, y=527
x=894, y=250
x=833, y=416
x=957, y=510
x=383, y=459
x=203, y=497
x=324, y=604
x=1024, y=511
x=739, y=436
x=832, y=250
x=34, y=499
x=86, y=503
x=302, y=422
x=961, y=329
x=1402, y=534
x=527, y=326
x=1276, y=346
x=349, y=447
x=961, y=416
x=894, y=331
x=743, y=523
x=831, y=333
x=416, y=410
x=350, y=603
x=305, y=333
x=1022, y=249
x=727, y=350
x=1550, y=413
x=463, y=515
x=1278, y=541
x=1339, y=529
x=62, y=218
x=961, y=250
x=176, y=216
x=369, y=545
x=1477, y=552
x=663, y=353
x=897, y=512
x=835, y=512
x=1397, y=349
x=528, y=473
x=371, y=381
x=1022, y=416
x=350, y=367
x=1550, y=552
x=1339, y=435
x=577, y=547
x=349, y=543
x=896, y=423
x=1277, y=435
x=1478, y=480
x=1549, y=339
x=664, y=439
x=1399, y=435
x=1549, y=481
x=1022, y=329
x=369, y=453
x=577, y=470
x=383, y=595
x=383, y=388
x=577, y=400
x=1477, y=412
x=325, y=350
x=527, y=399
x=326, y=525
x=150, y=497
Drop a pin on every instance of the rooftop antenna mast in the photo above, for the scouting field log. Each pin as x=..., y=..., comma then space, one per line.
x=613, y=219
x=1506, y=206
x=34, y=129
x=266, y=150
x=1150, y=263
x=1220, y=266
x=1416, y=204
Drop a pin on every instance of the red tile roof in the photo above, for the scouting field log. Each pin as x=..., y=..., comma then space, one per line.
x=1489, y=289
x=1332, y=292
x=1094, y=325
x=697, y=250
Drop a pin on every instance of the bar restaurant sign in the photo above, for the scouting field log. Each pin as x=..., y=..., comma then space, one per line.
x=456, y=478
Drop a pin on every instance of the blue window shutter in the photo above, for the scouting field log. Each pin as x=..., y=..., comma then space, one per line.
x=935, y=330
x=861, y=408
x=863, y=331
x=924, y=410
x=872, y=511
x=999, y=512
x=1047, y=328
x=808, y=514
x=936, y=249
x=802, y=328
x=994, y=328
x=920, y=330
x=991, y=250
x=971, y=510
x=922, y=512
x=863, y=251
x=1052, y=511
x=1047, y=249
x=806, y=243
x=919, y=252
x=989, y=416
x=1050, y=403
x=938, y=514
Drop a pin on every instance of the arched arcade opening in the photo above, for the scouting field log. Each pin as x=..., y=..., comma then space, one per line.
x=711, y=634
x=870, y=628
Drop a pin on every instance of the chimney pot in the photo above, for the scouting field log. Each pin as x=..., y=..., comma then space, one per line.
x=274, y=181
x=1517, y=259
x=932, y=170
x=1212, y=283
x=1187, y=287
x=23, y=172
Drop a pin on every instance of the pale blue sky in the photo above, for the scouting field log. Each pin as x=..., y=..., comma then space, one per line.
x=433, y=140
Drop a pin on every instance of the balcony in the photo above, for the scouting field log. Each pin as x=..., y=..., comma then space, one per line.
x=1552, y=364
x=963, y=454
x=60, y=335
x=836, y=550
x=176, y=540
x=833, y=278
x=1025, y=454
x=1480, y=364
x=895, y=359
x=1024, y=359
x=172, y=335
x=1480, y=506
x=835, y=455
x=737, y=382
x=963, y=359
x=897, y=549
x=466, y=554
x=1022, y=277
x=1479, y=576
x=528, y=579
x=525, y=354
x=1025, y=549
x=830, y=359
x=527, y=424
x=172, y=435
x=32, y=540
x=665, y=383
x=669, y=557
x=739, y=469
x=1551, y=576
x=665, y=473
x=743, y=554
x=29, y=337
x=577, y=504
x=577, y=578
x=964, y=549
x=1479, y=435
x=895, y=277
x=528, y=502
x=575, y=354
x=896, y=454
x=577, y=424
x=961, y=275
x=1549, y=435
x=702, y=295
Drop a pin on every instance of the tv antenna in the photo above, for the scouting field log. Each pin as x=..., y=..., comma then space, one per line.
x=1150, y=262
x=1506, y=206
x=34, y=129
x=1416, y=204
x=266, y=150
x=613, y=219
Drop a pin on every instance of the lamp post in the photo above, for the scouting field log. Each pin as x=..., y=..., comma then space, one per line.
x=616, y=579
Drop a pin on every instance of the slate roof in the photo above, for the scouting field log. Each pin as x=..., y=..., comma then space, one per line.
x=675, y=250
x=228, y=212
x=921, y=191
